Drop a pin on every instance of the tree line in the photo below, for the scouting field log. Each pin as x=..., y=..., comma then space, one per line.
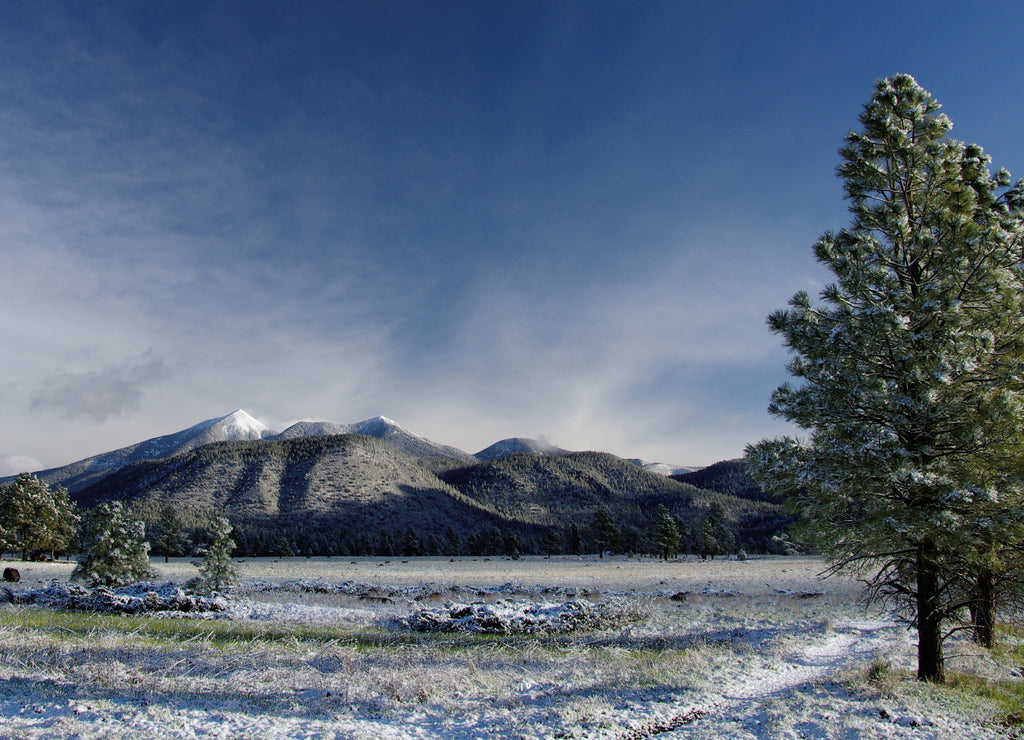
x=37, y=520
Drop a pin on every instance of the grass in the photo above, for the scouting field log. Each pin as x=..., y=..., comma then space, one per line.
x=1005, y=695
x=349, y=677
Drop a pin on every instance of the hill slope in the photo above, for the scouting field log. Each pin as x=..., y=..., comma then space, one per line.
x=306, y=488
x=563, y=490
x=235, y=426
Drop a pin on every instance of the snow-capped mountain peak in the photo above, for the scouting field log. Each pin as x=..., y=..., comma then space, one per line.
x=241, y=425
x=379, y=426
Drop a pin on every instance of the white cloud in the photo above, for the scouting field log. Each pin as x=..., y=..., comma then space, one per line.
x=16, y=464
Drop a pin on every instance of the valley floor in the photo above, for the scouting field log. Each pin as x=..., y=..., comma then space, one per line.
x=719, y=649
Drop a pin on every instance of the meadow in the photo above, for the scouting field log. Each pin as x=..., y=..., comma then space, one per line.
x=762, y=648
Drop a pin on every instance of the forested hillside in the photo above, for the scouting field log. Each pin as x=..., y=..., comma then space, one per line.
x=352, y=494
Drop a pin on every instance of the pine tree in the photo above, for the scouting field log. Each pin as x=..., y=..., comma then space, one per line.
x=35, y=517
x=714, y=537
x=666, y=534
x=172, y=542
x=606, y=534
x=553, y=542
x=115, y=552
x=910, y=374
x=217, y=569
x=574, y=540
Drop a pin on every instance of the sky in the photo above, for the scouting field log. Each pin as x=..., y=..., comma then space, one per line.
x=486, y=219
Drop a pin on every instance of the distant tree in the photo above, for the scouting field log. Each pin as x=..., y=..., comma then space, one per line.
x=495, y=541
x=714, y=537
x=606, y=534
x=910, y=372
x=217, y=569
x=511, y=545
x=171, y=540
x=573, y=540
x=630, y=540
x=474, y=543
x=114, y=550
x=35, y=517
x=666, y=534
x=411, y=545
x=452, y=542
x=553, y=542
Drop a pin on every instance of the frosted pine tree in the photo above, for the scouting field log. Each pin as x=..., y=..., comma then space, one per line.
x=172, y=539
x=218, y=571
x=910, y=375
x=666, y=533
x=35, y=517
x=114, y=550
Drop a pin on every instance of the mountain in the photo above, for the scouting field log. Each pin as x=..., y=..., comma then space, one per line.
x=515, y=446
x=327, y=484
x=728, y=476
x=354, y=494
x=384, y=429
x=234, y=427
x=312, y=429
x=570, y=488
x=388, y=431
x=240, y=426
x=661, y=468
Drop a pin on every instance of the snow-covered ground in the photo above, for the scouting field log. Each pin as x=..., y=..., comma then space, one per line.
x=724, y=649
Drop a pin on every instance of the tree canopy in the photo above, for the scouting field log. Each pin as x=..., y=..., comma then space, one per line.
x=910, y=375
x=35, y=517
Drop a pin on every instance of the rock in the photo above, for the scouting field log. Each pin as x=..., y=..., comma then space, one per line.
x=11, y=575
x=139, y=597
x=508, y=617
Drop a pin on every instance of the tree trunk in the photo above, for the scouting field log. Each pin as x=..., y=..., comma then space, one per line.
x=983, y=609
x=930, y=660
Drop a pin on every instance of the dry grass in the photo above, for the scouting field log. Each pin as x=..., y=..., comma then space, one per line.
x=371, y=680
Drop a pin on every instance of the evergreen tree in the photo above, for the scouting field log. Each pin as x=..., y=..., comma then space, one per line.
x=452, y=542
x=606, y=534
x=910, y=374
x=666, y=534
x=511, y=545
x=714, y=537
x=115, y=552
x=218, y=571
x=574, y=541
x=35, y=517
x=172, y=540
x=630, y=540
x=411, y=545
x=553, y=542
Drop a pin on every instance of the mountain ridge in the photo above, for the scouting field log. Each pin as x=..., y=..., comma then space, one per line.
x=354, y=494
x=241, y=426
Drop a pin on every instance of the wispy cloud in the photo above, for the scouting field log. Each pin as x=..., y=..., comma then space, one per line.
x=98, y=395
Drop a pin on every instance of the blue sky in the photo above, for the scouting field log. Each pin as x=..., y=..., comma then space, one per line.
x=481, y=219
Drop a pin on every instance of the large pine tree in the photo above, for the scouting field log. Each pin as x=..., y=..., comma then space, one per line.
x=911, y=373
x=114, y=550
x=34, y=516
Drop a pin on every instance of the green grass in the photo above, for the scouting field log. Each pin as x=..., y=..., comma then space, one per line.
x=1007, y=695
x=60, y=625
x=218, y=632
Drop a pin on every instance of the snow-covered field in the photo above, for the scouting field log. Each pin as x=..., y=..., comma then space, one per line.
x=324, y=648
